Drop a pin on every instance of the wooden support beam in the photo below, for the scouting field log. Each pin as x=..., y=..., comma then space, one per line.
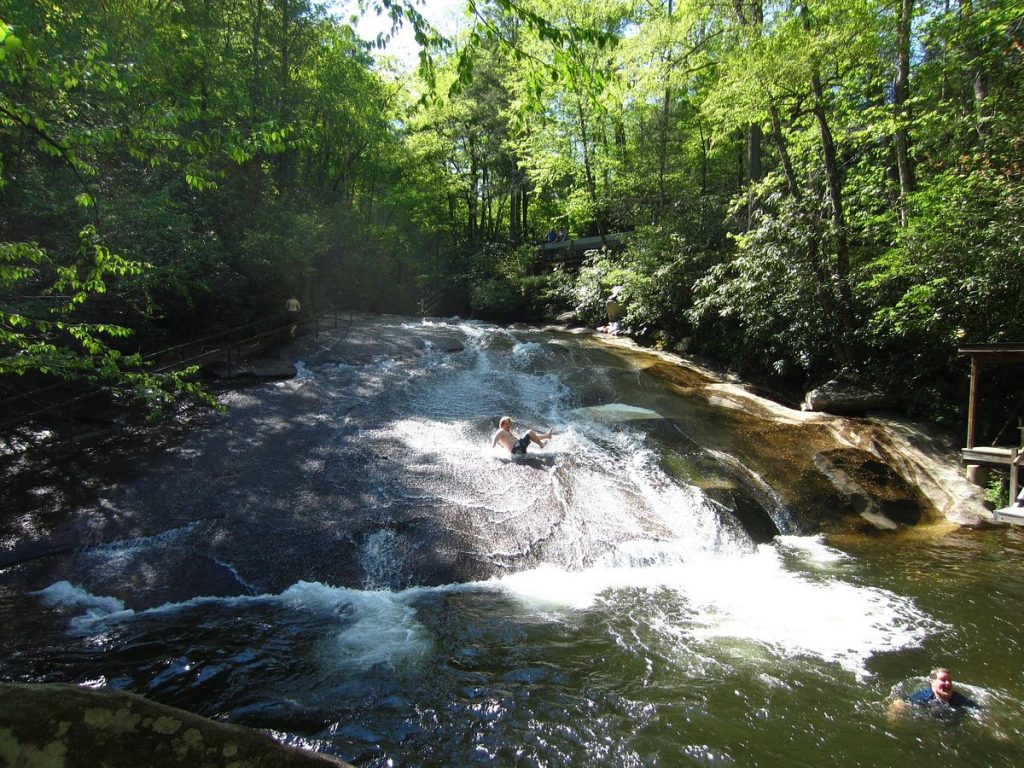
x=975, y=372
x=1014, y=460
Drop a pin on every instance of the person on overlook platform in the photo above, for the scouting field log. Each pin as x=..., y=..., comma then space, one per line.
x=938, y=698
x=517, y=445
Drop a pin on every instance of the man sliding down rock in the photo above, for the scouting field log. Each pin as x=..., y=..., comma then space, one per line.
x=517, y=445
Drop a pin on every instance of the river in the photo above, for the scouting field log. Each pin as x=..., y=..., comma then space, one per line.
x=342, y=559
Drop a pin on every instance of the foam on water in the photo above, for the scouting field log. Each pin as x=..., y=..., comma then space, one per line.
x=752, y=597
x=360, y=628
x=380, y=627
x=755, y=598
x=93, y=609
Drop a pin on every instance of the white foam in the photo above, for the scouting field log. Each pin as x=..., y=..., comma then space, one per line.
x=753, y=598
x=95, y=609
x=361, y=628
x=379, y=627
x=743, y=597
x=525, y=351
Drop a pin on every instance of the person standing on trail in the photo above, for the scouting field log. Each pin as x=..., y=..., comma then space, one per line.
x=292, y=308
x=517, y=445
x=615, y=310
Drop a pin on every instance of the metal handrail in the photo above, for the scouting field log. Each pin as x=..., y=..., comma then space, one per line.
x=150, y=356
x=315, y=318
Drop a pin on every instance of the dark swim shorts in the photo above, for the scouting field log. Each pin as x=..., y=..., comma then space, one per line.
x=521, y=443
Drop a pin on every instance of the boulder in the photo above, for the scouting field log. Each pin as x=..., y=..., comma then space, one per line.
x=844, y=398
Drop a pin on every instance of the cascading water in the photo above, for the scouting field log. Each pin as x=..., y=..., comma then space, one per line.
x=344, y=560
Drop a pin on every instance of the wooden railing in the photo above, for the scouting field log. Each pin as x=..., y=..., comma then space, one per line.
x=572, y=251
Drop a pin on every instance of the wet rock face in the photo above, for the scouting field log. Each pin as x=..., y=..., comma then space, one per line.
x=818, y=472
x=44, y=726
x=877, y=493
x=372, y=469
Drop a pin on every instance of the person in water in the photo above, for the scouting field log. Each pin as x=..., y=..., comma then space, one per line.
x=513, y=444
x=938, y=698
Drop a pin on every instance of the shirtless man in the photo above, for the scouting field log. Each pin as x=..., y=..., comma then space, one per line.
x=513, y=444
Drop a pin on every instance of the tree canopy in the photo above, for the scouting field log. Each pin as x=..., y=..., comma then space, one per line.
x=813, y=188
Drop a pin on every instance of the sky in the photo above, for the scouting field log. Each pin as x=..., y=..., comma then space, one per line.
x=446, y=15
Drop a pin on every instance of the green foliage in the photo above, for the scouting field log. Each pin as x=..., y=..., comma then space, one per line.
x=174, y=168
x=498, y=282
x=997, y=492
x=952, y=277
x=593, y=285
x=763, y=308
x=40, y=335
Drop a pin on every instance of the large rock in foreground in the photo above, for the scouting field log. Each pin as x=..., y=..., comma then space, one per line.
x=57, y=726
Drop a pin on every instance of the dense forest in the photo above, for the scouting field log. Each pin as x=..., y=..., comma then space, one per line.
x=810, y=188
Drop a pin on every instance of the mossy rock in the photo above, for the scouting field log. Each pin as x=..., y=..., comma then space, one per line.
x=65, y=726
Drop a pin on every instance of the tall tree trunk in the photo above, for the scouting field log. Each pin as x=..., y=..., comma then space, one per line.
x=840, y=266
x=833, y=177
x=754, y=173
x=588, y=168
x=705, y=146
x=663, y=120
x=514, y=200
x=976, y=76
x=526, y=210
x=663, y=153
x=283, y=160
x=471, y=195
x=901, y=95
x=824, y=280
x=751, y=16
x=783, y=148
x=488, y=212
x=253, y=169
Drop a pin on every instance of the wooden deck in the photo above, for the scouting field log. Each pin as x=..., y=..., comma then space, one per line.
x=1006, y=458
x=996, y=455
x=1013, y=515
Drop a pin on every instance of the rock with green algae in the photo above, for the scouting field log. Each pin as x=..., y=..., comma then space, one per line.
x=65, y=726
